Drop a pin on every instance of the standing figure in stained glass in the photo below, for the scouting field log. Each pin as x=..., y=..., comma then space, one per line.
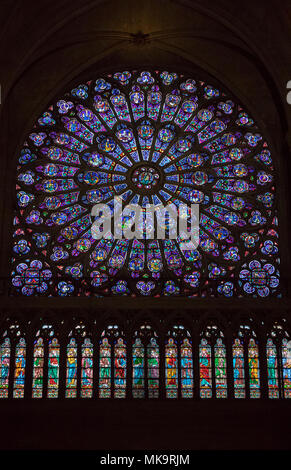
x=286, y=362
x=253, y=364
x=153, y=364
x=171, y=364
x=120, y=364
x=87, y=367
x=72, y=365
x=238, y=365
x=53, y=369
x=220, y=368
x=205, y=367
x=138, y=363
x=105, y=364
x=20, y=366
x=186, y=364
x=272, y=365
x=5, y=362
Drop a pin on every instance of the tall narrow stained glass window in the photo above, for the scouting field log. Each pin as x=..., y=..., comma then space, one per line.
x=5, y=352
x=279, y=361
x=105, y=369
x=138, y=369
x=254, y=369
x=238, y=369
x=220, y=369
x=205, y=368
x=286, y=363
x=171, y=368
x=71, y=371
x=119, y=369
x=272, y=365
x=19, y=371
x=87, y=369
x=53, y=368
x=145, y=137
x=153, y=359
x=186, y=369
x=38, y=363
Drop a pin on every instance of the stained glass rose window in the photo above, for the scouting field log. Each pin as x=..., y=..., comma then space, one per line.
x=147, y=137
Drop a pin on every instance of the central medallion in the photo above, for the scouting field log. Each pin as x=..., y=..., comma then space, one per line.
x=145, y=178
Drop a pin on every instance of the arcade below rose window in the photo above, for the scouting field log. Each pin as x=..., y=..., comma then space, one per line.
x=110, y=364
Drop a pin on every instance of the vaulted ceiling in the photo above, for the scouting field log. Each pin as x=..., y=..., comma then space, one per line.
x=46, y=44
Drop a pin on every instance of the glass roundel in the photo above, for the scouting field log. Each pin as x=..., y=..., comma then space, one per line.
x=148, y=138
